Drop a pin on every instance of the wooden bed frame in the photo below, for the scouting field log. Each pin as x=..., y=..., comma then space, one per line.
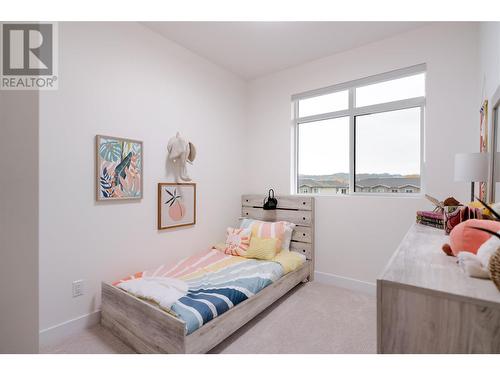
x=148, y=329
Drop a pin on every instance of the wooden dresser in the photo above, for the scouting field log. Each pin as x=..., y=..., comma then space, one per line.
x=427, y=304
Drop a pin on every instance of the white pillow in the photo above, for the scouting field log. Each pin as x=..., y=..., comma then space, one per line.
x=287, y=238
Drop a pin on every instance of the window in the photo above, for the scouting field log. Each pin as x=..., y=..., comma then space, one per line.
x=323, y=147
x=390, y=91
x=388, y=147
x=363, y=136
x=336, y=101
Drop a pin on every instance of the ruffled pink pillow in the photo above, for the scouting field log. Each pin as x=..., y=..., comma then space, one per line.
x=237, y=241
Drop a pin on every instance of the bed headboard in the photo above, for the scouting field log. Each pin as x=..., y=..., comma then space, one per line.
x=293, y=208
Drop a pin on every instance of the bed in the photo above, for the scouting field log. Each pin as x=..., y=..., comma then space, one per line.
x=148, y=329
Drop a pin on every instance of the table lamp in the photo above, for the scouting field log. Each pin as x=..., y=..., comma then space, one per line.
x=472, y=167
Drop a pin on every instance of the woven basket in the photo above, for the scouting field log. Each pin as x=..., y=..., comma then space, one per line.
x=495, y=268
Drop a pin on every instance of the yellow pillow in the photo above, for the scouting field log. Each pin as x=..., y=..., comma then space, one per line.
x=289, y=260
x=262, y=248
x=477, y=204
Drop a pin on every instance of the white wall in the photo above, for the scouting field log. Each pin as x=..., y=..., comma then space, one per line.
x=19, y=222
x=355, y=236
x=123, y=79
x=489, y=50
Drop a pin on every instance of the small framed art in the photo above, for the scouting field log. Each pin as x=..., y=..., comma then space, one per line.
x=176, y=204
x=119, y=165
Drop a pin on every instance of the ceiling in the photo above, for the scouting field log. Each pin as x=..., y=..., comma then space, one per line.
x=254, y=49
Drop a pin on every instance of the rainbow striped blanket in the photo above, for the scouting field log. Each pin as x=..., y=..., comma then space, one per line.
x=216, y=283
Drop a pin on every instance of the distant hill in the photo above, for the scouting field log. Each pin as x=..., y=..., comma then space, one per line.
x=344, y=177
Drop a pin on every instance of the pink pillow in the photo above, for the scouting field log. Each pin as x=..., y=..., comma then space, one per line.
x=237, y=241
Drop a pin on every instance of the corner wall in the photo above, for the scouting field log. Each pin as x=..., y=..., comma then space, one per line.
x=356, y=235
x=19, y=222
x=489, y=52
x=123, y=79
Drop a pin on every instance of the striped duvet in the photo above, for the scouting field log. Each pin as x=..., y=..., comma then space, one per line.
x=216, y=283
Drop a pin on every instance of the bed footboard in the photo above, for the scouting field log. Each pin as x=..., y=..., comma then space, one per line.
x=143, y=326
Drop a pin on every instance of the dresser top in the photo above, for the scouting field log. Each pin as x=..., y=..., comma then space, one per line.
x=420, y=262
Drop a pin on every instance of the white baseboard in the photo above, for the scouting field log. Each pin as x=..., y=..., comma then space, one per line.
x=57, y=334
x=345, y=282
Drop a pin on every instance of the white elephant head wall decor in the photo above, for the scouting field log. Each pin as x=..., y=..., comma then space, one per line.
x=180, y=152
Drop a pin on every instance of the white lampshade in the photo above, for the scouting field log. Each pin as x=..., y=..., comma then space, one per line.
x=471, y=167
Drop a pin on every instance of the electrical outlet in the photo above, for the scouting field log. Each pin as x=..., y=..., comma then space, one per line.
x=77, y=288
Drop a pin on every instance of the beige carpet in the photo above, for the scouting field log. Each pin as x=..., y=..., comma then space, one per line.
x=312, y=318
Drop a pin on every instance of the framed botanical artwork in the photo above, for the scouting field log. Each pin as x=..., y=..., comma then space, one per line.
x=176, y=205
x=119, y=166
x=483, y=144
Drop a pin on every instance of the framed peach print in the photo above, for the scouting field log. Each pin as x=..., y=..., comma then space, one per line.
x=176, y=205
x=118, y=168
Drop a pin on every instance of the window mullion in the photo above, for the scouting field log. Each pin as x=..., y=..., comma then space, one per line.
x=352, y=161
x=296, y=147
x=422, y=148
x=390, y=106
x=323, y=116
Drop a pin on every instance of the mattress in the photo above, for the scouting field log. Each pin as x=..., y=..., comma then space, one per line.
x=216, y=282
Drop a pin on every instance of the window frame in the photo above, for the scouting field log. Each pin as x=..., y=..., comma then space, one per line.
x=352, y=112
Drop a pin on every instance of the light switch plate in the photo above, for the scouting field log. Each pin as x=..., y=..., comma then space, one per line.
x=77, y=288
